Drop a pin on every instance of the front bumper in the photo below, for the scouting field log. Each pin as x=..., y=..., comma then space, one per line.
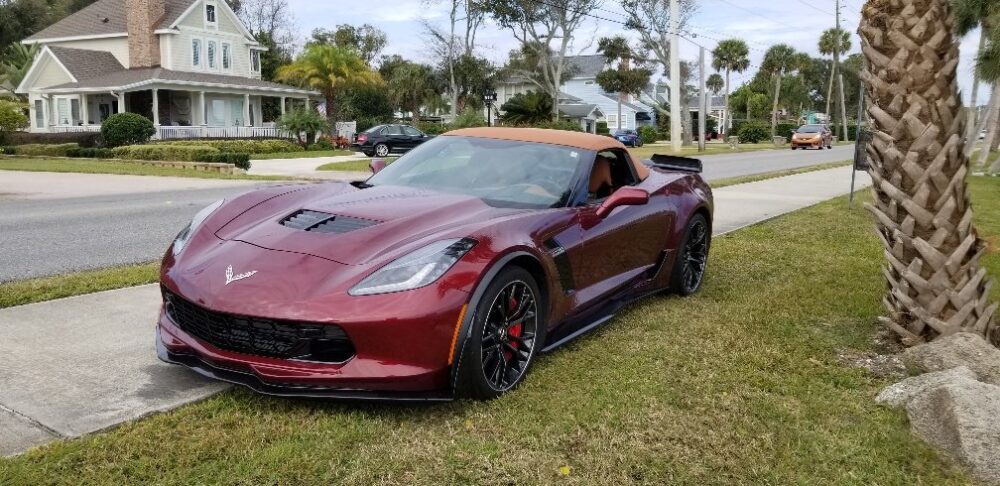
x=808, y=143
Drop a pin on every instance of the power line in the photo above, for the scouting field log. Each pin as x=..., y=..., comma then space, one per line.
x=807, y=4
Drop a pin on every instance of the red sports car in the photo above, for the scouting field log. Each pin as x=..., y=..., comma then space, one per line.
x=443, y=275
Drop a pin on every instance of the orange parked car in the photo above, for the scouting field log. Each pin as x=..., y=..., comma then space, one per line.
x=812, y=136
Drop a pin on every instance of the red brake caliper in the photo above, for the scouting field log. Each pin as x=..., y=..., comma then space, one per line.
x=514, y=330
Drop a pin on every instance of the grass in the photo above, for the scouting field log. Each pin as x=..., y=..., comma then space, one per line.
x=48, y=288
x=732, y=181
x=356, y=165
x=716, y=148
x=302, y=155
x=87, y=166
x=739, y=384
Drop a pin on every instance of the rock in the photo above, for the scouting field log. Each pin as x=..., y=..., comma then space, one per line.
x=960, y=419
x=961, y=349
x=899, y=395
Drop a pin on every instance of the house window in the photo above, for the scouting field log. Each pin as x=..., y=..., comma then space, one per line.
x=227, y=56
x=210, y=13
x=196, y=52
x=255, y=61
x=218, y=113
x=212, y=46
x=39, y=114
x=612, y=121
x=67, y=111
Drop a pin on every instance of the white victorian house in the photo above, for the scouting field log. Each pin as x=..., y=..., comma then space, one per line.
x=188, y=65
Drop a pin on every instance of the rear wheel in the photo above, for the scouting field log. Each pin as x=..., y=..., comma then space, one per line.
x=692, y=257
x=507, y=329
x=381, y=150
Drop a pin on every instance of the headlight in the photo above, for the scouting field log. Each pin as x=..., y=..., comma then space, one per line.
x=418, y=269
x=185, y=235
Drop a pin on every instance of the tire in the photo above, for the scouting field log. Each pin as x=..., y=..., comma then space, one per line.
x=500, y=340
x=369, y=154
x=692, y=258
x=382, y=150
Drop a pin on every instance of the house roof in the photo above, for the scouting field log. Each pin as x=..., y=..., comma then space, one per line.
x=85, y=64
x=634, y=107
x=579, y=110
x=104, y=17
x=588, y=66
x=136, y=78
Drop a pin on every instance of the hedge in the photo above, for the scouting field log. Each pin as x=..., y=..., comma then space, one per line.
x=754, y=132
x=83, y=139
x=602, y=128
x=45, y=149
x=8, y=150
x=321, y=145
x=91, y=153
x=648, y=134
x=241, y=161
x=786, y=130
x=171, y=153
x=126, y=129
x=252, y=147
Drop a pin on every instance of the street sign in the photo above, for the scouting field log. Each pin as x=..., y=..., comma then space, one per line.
x=861, y=151
x=490, y=96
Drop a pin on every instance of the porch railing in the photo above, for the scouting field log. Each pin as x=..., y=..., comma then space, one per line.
x=172, y=133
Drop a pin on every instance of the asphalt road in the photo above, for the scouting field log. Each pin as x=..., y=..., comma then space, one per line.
x=47, y=236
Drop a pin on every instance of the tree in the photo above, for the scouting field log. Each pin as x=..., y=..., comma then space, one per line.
x=411, y=85
x=731, y=55
x=22, y=18
x=12, y=117
x=922, y=209
x=329, y=69
x=715, y=83
x=626, y=79
x=303, y=121
x=17, y=60
x=528, y=108
x=539, y=25
x=779, y=61
x=367, y=41
x=832, y=43
x=985, y=15
x=453, y=49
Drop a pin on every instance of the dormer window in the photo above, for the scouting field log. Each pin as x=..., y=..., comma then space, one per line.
x=227, y=56
x=196, y=52
x=255, y=61
x=210, y=13
x=212, y=47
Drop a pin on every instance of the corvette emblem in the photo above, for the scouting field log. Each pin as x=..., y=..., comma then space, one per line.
x=230, y=278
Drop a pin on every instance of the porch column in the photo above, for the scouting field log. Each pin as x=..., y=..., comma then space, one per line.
x=203, y=119
x=84, y=110
x=246, y=110
x=121, y=102
x=156, y=107
x=283, y=106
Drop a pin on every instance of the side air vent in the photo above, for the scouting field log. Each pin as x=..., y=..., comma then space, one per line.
x=317, y=222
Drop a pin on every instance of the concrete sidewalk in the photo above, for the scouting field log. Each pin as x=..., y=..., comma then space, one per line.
x=79, y=365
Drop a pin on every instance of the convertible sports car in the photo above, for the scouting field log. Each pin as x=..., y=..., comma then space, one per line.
x=443, y=275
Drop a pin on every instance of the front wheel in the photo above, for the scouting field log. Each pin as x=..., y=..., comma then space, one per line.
x=381, y=150
x=507, y=329
x=692, y=257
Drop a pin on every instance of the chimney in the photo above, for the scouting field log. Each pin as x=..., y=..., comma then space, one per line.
x=142, y=17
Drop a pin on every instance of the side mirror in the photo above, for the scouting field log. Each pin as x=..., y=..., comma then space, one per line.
x=377, y=165
x=626, y=196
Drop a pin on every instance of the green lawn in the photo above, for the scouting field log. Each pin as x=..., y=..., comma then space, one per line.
x=732, y=181
x=739, y=384
x=47, y=288
x=90, y=166
x=356, y=165
x=302, y=155
x=647, y=151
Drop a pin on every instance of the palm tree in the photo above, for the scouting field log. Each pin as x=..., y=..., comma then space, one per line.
x=969, y=16
x=530, y=107
x=984, y=14
x=731, y=55
x=833, y=42
x=17, y=60
x=935, y=284
x=411, y=86
x=625, y=79
x=780, y=61
x=715, y=83
x=329, y=69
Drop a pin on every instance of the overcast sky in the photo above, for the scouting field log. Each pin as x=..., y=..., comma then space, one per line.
x=761, y=23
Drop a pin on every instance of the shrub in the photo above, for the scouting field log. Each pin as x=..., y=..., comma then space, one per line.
x=83, y=139
x=168, y=153
x=45, y=149
x=786, y=130
x=468, y=118
x=754, y=132
x=528, y=107
x=320, y=145
x=91, y=153
x=602, y=128
x=241, y=161
x=648, y=134
x=126, y=129
x=9, y=150
x=434, y=128
x=551, y=125
x=303, y=121
x=252, y=147
x=12, y=118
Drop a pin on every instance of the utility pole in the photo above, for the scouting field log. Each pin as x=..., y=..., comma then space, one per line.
x=840, y=79
x=675, y=77
x=703, y=105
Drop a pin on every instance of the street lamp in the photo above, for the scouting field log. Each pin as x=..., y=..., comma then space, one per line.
x=489, y=97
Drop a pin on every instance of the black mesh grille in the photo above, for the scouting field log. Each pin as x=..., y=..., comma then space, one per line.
x=318, y=222
x=259, y=336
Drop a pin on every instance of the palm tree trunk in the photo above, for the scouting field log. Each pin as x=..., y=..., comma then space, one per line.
x=991, y=108
x=843, y=108
x=727, y=120
x=971, y=134
x=921, y=205
x=829, y=91
x=774, y=111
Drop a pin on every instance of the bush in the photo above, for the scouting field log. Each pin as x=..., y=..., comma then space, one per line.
x=126, y=129
x=12, y=118
x=303, y=121
x=468, y=118
x=754, y=132
x=551, y=125
x=321, y=145
x=602, y=128
x=786, y=130
x=648, y=134
x=9, y=151
x=252, y=147
x=434, y=128
x=241, y=161
x=91, y=153
x=45, y=149
x=83, y=139
x=167, y=153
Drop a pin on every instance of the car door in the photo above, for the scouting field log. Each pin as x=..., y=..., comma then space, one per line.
x=413, y=136
x=395, y=138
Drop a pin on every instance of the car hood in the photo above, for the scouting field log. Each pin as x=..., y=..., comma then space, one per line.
x=382, y=221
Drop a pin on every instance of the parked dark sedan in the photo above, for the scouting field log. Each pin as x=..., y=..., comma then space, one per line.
x=630, y=138
x=382, y=140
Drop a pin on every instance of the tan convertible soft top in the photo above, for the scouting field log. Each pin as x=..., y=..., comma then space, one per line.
x=580, y=140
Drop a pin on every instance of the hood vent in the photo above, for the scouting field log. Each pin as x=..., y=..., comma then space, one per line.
x=317, y=222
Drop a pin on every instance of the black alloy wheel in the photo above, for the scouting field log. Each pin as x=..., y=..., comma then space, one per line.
x=692, y=257
x=381, y=150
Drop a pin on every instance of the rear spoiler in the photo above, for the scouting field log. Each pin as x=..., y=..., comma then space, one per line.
x=670, y=162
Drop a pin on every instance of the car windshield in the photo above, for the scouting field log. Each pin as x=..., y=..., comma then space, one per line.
x=502, y=173
x=624, y=132
x=374, y=129
x=811, y=129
